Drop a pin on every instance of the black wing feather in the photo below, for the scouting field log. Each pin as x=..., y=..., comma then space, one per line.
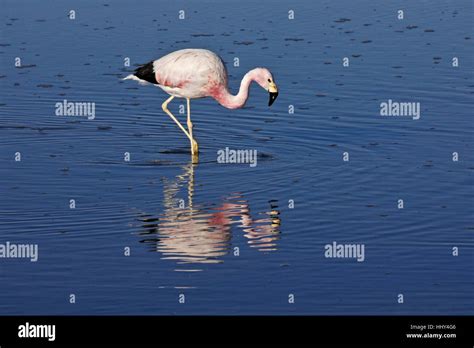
x=146, y=72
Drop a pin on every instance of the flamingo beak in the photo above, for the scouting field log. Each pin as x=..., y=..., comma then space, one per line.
x=273, y=90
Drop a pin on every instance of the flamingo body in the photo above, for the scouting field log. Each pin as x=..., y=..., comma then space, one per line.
x=198, y=73
x=190, y=73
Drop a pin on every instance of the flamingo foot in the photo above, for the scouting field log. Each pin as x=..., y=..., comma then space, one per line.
x=194, y=152
x=194, y=147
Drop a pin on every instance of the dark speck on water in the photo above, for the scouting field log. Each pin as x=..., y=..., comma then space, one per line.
x=26, y=66
x=245, y=43
x=342, y=20
x=202, y=35
x=293, y=39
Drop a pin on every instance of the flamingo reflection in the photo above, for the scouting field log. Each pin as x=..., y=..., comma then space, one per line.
x=202, y=233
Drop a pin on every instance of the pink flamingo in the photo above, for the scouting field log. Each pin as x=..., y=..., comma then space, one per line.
x=199, y=73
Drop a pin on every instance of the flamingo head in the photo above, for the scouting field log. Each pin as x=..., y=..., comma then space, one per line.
x=265, y=79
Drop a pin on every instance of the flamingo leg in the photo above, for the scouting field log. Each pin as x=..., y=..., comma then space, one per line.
x=164, y=106
x=194, y=144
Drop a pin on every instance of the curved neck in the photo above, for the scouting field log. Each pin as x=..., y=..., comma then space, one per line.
x=229, y=101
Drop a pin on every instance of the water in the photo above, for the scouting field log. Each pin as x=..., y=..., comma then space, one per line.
x=184, y=221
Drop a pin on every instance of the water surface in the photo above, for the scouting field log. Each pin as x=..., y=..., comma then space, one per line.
x=228, y=235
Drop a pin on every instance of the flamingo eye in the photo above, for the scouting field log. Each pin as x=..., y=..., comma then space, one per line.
x=269, y=80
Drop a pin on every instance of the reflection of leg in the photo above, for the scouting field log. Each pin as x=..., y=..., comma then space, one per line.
x=190, y=186
x=194, y=144
x=164, y=106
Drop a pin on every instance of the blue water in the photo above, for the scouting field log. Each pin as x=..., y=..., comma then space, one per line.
x=190, y=248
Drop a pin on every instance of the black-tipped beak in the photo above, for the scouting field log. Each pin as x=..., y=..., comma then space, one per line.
x=273, y=96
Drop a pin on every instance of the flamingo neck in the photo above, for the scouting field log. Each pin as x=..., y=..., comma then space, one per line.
x=229, y=101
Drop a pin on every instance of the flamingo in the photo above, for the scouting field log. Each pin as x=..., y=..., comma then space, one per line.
x=199, y=73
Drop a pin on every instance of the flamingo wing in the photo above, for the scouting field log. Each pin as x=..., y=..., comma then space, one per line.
x=190, y=71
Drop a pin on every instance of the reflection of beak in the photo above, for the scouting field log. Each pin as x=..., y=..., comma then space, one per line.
x=273, y=90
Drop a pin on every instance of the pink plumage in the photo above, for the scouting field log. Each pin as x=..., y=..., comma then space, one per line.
x=199, y=73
